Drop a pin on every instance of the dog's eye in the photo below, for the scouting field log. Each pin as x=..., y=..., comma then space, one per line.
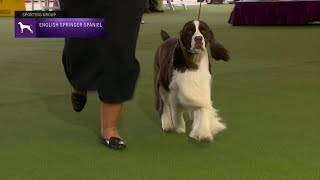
x=203, y=31
x=189, y=31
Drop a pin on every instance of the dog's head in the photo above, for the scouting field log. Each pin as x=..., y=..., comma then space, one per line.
x=196, y=36
x=19, y=23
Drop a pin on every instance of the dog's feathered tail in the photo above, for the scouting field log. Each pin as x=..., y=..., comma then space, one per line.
x=163, y=68
x=164, y=35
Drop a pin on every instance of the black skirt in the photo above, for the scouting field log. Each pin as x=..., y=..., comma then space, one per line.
x=107, y=65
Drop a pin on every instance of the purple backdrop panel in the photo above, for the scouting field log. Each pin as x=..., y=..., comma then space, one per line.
x=275, y=13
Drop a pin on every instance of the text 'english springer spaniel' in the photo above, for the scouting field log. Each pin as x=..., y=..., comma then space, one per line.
x=183, y=80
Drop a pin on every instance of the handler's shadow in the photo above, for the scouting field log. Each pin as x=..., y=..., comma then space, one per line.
x=55, y=92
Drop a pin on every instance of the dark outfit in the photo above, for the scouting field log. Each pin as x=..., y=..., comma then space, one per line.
x=153, y=4
x=107, y=65
x=152, y=7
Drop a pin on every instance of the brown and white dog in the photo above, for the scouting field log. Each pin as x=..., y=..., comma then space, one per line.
x=182, y=80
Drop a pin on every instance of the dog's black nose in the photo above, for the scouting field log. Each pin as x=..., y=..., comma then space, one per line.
x=198, y=38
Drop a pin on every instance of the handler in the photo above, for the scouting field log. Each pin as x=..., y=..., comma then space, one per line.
x=109, y=65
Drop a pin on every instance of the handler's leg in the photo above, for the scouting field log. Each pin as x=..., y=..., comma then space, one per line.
x=121, y=68
x=109, y=119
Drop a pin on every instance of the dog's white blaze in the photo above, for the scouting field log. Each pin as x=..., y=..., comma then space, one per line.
x=191, y=91
x=197, y=33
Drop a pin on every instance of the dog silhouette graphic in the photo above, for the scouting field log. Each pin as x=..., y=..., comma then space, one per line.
x=22, y=27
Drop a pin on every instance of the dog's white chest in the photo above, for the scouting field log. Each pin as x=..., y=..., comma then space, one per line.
x=193, y=87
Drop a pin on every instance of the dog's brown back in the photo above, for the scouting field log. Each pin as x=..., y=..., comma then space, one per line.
x=163, y=66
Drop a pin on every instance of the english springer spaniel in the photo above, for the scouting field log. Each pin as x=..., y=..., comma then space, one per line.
x=182, y=80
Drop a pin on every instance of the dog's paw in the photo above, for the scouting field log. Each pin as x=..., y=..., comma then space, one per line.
x=206, y=139
x=201, y=137
x=205, y=136
x=181, y=129
x=167, y=129
x=167, y=125
x=194, y=135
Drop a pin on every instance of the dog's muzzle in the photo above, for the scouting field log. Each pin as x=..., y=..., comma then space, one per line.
x=198, y=42
x=198, y=45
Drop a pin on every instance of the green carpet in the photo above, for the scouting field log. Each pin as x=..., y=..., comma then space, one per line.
x=268, y=95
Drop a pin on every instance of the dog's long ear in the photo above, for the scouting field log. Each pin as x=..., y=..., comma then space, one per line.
x=217, y=50
x=164, y=35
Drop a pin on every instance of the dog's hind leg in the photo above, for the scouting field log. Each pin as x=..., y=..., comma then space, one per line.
x=166, y=118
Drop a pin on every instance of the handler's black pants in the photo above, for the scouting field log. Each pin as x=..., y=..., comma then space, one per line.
x=107, y=65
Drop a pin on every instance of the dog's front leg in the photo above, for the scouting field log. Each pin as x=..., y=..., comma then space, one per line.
x=177, y=116
x=178, y=120
x=204, y=131
x=195, y=117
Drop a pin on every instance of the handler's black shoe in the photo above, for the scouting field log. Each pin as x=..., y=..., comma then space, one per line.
x=114, y=143
x=79, y=100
